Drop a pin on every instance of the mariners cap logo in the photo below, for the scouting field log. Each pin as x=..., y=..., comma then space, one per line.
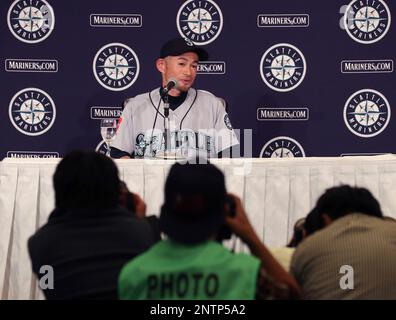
x=367, y=21
x=367, y=113
x=283, y=67
x=282, y=147
x=116, y=66
x=32, y=111
x=200, y=21
x=31, y=21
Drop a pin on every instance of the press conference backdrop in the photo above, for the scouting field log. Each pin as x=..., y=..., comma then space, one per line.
x=309, y=78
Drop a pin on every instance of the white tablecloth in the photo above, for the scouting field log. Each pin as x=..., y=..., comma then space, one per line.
x=275, y=192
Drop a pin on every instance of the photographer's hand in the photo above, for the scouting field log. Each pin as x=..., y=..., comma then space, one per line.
x=241, y=226
x=140, y=206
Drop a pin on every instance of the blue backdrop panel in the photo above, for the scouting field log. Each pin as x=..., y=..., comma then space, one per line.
x=290, y=70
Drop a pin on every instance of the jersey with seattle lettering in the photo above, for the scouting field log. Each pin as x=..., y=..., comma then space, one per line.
x=200, y=126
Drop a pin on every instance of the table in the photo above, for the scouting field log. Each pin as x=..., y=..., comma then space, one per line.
x=275, y=193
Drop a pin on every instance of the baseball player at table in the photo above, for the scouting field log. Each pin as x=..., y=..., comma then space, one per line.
x=198, y=122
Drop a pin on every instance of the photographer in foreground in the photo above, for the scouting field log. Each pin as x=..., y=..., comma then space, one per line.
x=190, y=264
x=96, y=227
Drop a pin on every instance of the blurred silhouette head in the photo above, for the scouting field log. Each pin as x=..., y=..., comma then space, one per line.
x=86, y=180
x=298, y=233
x=313, y=222
x=340, y=201
x=194, y=207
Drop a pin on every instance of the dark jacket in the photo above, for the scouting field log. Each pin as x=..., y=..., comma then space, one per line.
x=87, y=250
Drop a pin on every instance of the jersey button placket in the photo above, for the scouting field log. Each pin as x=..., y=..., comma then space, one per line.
x=173, y=121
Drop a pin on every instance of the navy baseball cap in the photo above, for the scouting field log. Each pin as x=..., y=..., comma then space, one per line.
x=178, y=46
x=194, y=202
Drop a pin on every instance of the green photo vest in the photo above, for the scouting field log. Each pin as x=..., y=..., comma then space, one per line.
x=171, y=270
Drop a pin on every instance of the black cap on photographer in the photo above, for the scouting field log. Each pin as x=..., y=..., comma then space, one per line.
x=194, y=202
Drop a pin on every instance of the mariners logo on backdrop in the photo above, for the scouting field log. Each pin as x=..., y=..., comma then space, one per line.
x=367, y=66
x=116, y=66
x=211, y=67
x=115, y=20
x=31, y=65
x=31, y=21
x=282, y=20
x=200, y=21
x=32, y=111
x=282, y=147
x=367, y=113
x=282, y=114
x=367, y=21
x=32, y=154
x=283, y=67
x=106, y=112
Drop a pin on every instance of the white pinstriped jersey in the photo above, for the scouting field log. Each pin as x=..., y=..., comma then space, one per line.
x=200, y=125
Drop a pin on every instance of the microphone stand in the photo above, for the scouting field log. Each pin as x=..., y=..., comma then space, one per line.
x=166, y=125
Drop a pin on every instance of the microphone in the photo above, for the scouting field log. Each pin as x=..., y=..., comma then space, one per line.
x=172, y=83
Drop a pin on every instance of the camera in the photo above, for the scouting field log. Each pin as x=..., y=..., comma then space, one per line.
x=225, y=232
x=231, y=206
x=126, y=198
